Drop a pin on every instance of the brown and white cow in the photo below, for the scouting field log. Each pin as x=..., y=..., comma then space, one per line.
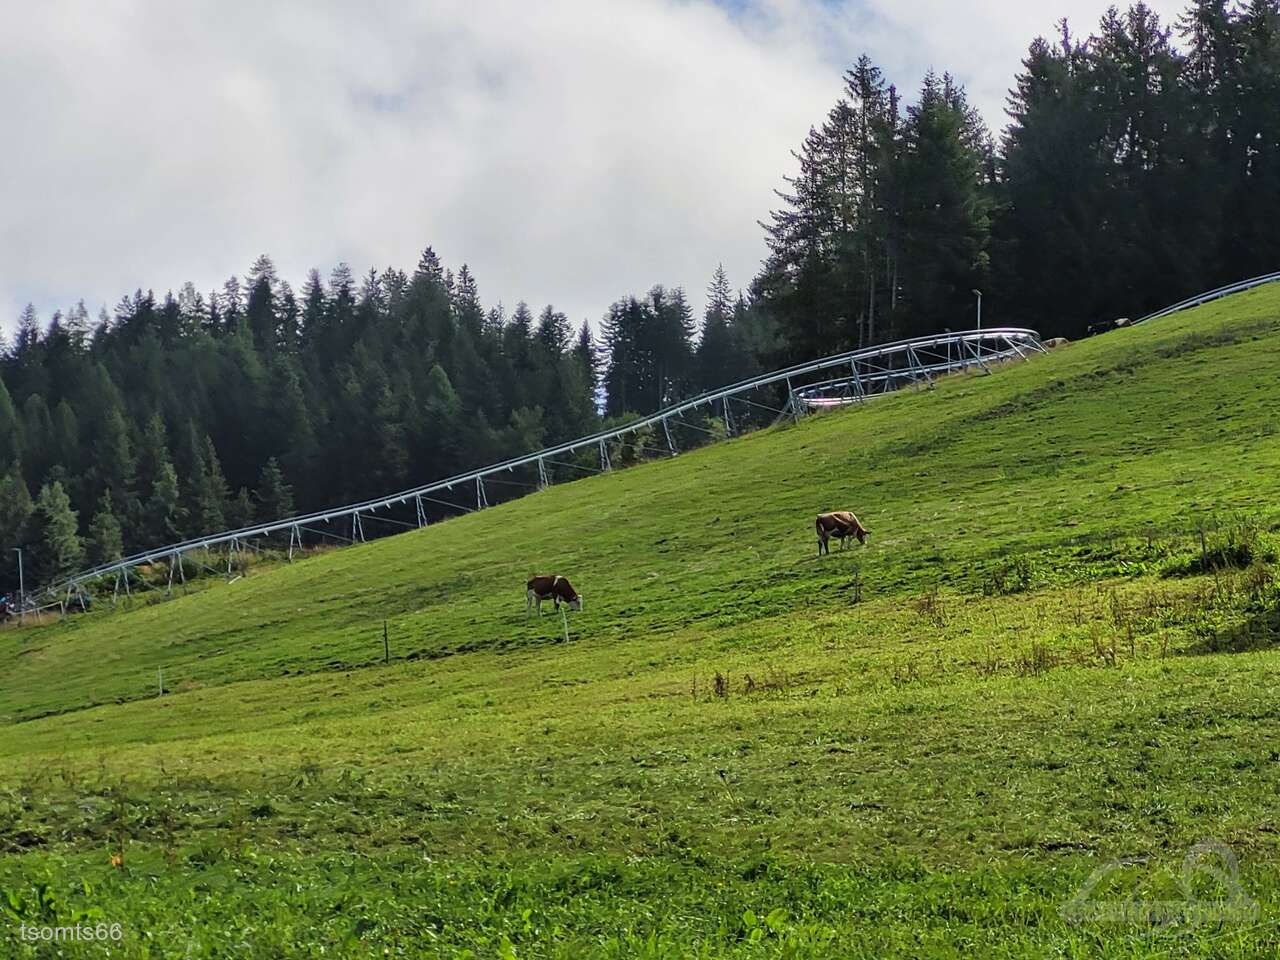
x=840, y=524
x=555, y=588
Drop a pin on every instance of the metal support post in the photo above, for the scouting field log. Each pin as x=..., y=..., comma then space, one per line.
x=977, y=355
x=791, y=402
x=917, y=368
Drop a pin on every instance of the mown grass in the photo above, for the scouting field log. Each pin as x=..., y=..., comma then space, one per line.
x=1057, y=651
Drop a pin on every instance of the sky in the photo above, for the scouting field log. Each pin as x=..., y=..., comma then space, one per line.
x=570, y=151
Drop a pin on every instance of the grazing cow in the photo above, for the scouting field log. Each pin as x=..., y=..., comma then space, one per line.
x=555, y=588
x=1104, y=326
x=1054, y=343
x=840, y=524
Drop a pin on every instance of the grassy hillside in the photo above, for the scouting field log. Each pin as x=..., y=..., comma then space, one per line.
x=1056, y=650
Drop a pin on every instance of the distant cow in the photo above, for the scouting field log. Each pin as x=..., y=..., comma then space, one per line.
x=1054, y=343
x=1104, y=326
x=555, y=588
x=840, y=524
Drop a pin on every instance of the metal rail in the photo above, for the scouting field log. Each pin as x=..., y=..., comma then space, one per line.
x=891, y=362
x=928, y=357
x=1210, y=295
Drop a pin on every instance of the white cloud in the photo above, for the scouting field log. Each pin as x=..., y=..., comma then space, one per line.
x=570, y=151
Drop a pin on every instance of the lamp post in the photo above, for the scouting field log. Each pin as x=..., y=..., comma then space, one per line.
x=978, y=294
x=22, y=590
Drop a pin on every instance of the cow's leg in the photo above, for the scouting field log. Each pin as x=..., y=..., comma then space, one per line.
x=822, y=543
x=528, y=602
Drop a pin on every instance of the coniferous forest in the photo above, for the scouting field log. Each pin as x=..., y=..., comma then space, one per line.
x=1139, y=164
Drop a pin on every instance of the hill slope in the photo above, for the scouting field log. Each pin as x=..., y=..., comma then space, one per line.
x=1046, y=667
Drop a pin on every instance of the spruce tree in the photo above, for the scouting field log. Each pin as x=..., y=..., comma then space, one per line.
x=60, y=551
x=64, y=440
x=275, y=497
x=716, y=359
x=106, y=540
x=1254, y=206
x=37, y=427
x=584, y=353
x=946, y=209
x=211, y=494
x=164, y=514
x=16, y=511
x=1053, y=180
x=114, y=467
x=260, y=309
x=240, y=510
x=290, y=428
x=315, y=310
x=153, y=454
x=553, y=331
x=10, y=429
x=669, y=344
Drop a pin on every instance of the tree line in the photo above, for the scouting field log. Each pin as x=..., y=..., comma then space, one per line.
x=190, y=414
x=1135, y=168
x=1131, y=172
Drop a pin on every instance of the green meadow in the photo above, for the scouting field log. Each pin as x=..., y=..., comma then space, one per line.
x=1044, y=689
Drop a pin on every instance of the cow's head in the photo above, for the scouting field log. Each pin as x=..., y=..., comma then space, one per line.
x=862, y=535
x=576, y=603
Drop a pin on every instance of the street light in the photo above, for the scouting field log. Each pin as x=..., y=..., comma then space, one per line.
x=978, y=294
x=22, y=590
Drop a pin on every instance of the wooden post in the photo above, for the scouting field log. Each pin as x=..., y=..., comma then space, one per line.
x=386, y=644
